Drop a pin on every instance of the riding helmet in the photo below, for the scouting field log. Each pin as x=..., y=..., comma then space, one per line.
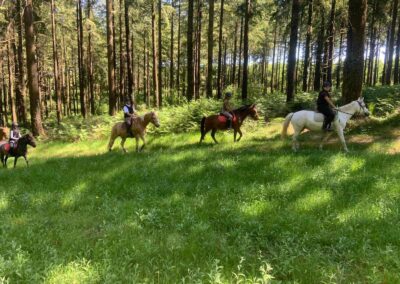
x=327, y=84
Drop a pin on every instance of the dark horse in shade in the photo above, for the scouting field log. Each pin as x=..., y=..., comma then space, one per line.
x=219, y=122
x=20, y=151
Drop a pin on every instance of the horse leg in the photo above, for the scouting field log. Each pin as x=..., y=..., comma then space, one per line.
x=5, y=161
x=111, y=143
x=144, y=142
x=203, y=135
x=341, y=137
x=26, y=160
x=213, y=135
x=2, y=160
x=123, y=144
x=137, y=143
x=295, y=143
x=15, y=161
x=234, y=135
x=240, y=134
x=324, y=140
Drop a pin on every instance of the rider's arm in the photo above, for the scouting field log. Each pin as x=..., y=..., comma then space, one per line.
x=126, y=110
x=330, y=102
x=12, y=135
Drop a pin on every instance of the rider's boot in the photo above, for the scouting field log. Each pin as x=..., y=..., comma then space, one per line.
x=229, y=123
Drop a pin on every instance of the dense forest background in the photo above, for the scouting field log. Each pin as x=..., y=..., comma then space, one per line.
x=83, y=58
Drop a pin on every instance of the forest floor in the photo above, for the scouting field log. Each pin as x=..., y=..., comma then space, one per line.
x=182, y=212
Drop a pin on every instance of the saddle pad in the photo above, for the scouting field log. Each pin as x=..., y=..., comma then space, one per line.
x=5, y=145
x=318, y=117
x=222, y=118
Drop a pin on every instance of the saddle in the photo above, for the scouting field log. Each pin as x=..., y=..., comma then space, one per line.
x=320, y=117
x=5, y=146
x=223, y=119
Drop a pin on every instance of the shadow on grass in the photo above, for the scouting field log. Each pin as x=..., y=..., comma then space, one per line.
x=194, y=211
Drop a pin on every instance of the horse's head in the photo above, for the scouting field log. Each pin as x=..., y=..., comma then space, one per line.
x=30, y=140
x=253, y=112
x=3, y=133
x=363, y=108
x=154, y=119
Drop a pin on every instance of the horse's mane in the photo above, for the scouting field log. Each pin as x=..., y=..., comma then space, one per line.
x=242, y=108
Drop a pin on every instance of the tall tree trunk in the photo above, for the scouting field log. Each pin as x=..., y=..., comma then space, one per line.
x=283, y=67
x=20, y=94
x=121, y=58
x=10, y=57
x=90, y=60
x=273, y=58
x=82, y=79
x=160, y=86
x=33, y=82
x=198, y=49
x=171, y=67
x=388, y=72
x=155, y=55
x=240, y=51
x=56, y=79
x=219, y=68
x=178, y=67
x=190, y=70
x=320, y=49
x=210, y=44
x=129, y=54
x=331, y=41
x=233, y=77
x=246, y=50
x=396, y=73
x=111, y=58
x=339, y=66
x=307, y=47
x=291, y=76
x=354, y=64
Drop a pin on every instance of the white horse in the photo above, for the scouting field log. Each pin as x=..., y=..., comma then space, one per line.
x=311, y=120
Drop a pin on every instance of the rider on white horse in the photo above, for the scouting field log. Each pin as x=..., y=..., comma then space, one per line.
x=326, y=106
x=306, y=119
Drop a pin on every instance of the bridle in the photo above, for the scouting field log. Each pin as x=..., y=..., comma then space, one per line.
x=358, y=111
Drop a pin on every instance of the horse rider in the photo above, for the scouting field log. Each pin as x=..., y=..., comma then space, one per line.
x=129, y=113
x=227, y=108
x=326, y=106
x=14, y=135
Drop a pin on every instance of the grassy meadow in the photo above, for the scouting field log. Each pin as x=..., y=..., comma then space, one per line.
x=180, y=212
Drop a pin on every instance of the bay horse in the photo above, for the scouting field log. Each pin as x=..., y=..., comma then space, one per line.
x=21, y=149
x=306, y=119
x=138, y=129
x=219, y=122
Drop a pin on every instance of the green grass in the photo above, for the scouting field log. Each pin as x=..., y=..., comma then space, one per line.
x=182, y=212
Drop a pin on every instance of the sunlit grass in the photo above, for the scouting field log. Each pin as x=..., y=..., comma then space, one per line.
x=182, y=212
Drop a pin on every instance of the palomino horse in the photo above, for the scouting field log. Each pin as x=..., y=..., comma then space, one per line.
x=4, y=133
x=138, y=129
x=311, y=120
x=219, y=122
x=20, y=151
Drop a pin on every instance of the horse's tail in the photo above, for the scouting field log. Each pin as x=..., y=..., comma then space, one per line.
x=202, y=125
x=113, y=135
x=286, y=123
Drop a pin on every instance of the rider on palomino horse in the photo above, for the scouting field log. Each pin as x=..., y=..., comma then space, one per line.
x=326, y=106
x=129, y=114
x=227, y=109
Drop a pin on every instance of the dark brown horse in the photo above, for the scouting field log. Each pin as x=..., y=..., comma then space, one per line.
x=20, y=151
x=219, y=122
